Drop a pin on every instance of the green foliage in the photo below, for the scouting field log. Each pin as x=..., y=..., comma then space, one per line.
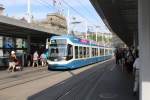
x=100, y=38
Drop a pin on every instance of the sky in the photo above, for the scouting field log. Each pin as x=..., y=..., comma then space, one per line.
x=79, y=10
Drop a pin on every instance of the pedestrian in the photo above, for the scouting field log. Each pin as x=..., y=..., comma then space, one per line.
x=43, y=59
x=130, y=61
x=29, y=59
x=136, y=68
x=117, y=56
x=12, y=61
x=35, y=59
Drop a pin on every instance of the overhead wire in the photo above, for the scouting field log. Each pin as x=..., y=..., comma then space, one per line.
x=46, y=4
x=78, y=1
x=74, y=9
x=81, y=15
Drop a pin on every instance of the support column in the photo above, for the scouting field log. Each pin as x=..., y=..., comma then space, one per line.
x=144, y=44
x=28, y=44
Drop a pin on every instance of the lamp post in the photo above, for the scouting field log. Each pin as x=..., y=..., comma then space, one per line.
x=75, y=23
x=29, y=11
x=68, y=21
x=96, y=32
x=86, y=29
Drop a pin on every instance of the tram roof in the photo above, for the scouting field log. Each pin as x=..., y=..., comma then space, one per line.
x=77, y=40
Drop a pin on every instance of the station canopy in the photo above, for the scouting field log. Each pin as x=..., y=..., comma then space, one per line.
x=120, y=16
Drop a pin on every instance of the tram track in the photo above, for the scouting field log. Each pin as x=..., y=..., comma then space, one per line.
x=27, y=78
x=72, y=82
x=77, y=83
x=76, y=87
x=21, y=73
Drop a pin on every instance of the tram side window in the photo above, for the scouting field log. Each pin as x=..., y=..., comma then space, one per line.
x=87, y=52
x=93, y=52
x=84, y=52
x=110, y=51
x=99, y=51
x=102, y=51
x=80, y=52
x=106, y=51
x=96, y=51
x=76, y=52
x=70, y=52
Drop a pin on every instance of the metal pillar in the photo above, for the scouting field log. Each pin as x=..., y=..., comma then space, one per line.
x=144, y=44
x=29, y=11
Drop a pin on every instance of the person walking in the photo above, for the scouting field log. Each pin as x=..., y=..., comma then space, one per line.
x=136, y=68
x=43, y=59
x=12, y=61
x=35, y=59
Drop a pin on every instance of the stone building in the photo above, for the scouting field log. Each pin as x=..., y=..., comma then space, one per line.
x=54, y=21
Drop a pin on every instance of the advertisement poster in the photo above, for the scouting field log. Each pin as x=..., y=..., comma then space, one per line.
x=1, y=41
x=24, y=43
x=8, y=42
x=1, y=52
x=18, y=43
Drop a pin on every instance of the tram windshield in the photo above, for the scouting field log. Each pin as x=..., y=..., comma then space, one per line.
x=59, y=50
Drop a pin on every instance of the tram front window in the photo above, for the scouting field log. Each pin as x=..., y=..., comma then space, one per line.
x=60, y=52
x=57, y=53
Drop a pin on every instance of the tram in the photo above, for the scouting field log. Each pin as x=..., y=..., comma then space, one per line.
x=69, y=52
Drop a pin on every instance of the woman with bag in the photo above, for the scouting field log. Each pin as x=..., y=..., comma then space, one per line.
x=12, y=61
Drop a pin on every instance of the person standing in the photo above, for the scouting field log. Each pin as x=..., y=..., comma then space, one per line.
x=117, y=56
x=29, y=59
x=35, y=59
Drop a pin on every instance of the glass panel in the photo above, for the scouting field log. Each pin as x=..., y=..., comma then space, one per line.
x=18, y=43
x=84, y=52
x=93, y=52
x=99, y=50
x=57, y=52
x=106, y=51
x=87, y=52
x=96, y=51
x=59, y=41
x=80, y=51
x=8, y=42
x=102, y=51
x=1, y=41
x=70, y=52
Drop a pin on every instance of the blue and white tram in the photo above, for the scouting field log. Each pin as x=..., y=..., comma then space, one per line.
x=68, y=52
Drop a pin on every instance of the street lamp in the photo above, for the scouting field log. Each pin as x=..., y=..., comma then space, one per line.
x=68, y=21
x=75, y=23
x=96, y=32
x=29, y=11
x=86, y=29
